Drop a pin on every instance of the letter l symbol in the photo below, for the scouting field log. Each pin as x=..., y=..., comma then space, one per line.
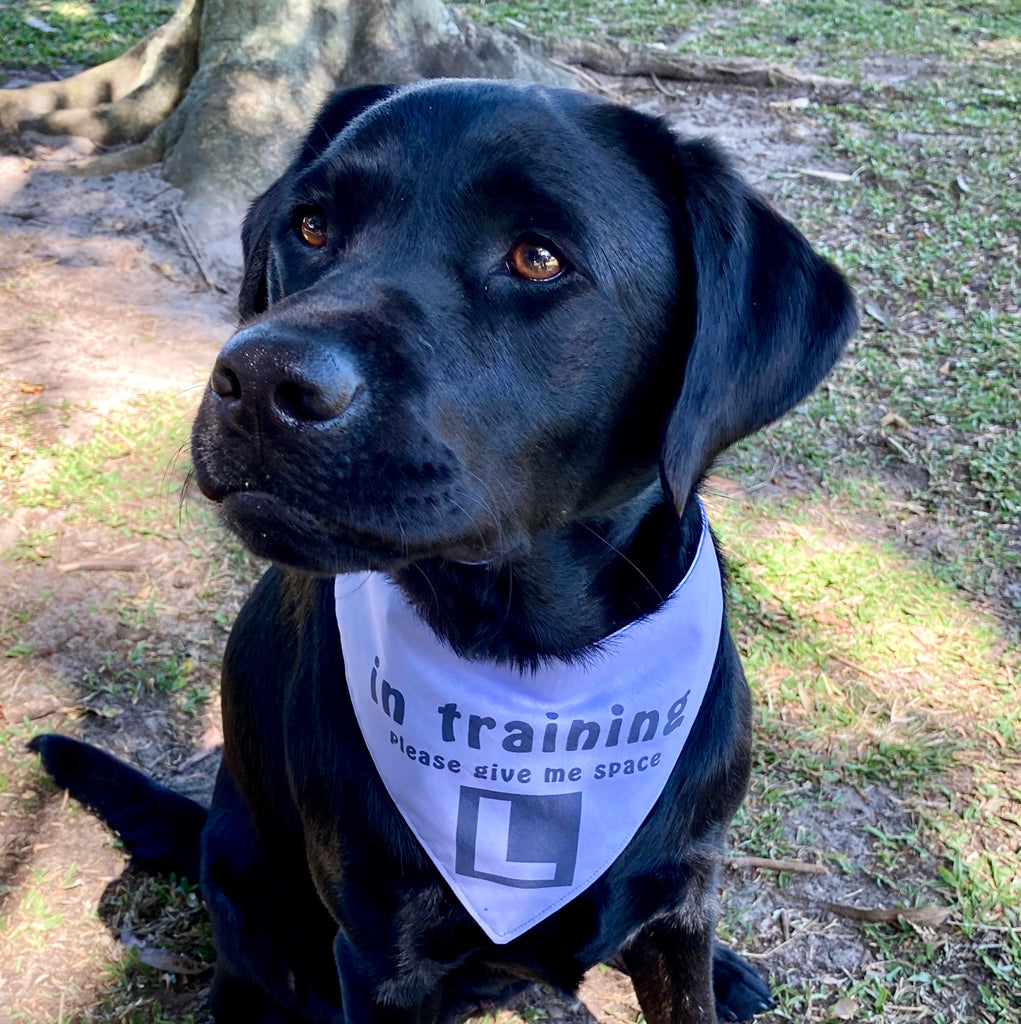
x=494, y=824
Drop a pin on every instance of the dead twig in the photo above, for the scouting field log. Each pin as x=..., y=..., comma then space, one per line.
x=37, y=708
x=769, y=864
x=582, y=75
x=194, y=252
x=661, y=87
x=102, y=565
x=855, y=667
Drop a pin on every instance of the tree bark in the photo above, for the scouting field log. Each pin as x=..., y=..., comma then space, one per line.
x=264, y=67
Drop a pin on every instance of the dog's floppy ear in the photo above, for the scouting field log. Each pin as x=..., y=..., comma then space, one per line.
x=770, y=318
x=338, y=111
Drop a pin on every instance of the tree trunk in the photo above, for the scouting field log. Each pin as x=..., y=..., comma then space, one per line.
x=224, y=91
x=265, y=66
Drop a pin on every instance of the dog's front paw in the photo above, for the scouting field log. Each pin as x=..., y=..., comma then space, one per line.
x=740, y=992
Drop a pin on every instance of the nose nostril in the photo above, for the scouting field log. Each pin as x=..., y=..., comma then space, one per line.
x=312, y=402
x=225, y=382
x=290, y=400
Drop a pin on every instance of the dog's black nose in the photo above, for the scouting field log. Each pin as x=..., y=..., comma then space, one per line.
x=266, y=370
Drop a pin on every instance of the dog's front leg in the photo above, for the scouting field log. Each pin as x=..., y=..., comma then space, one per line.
x=670, y=962
x=371, y=994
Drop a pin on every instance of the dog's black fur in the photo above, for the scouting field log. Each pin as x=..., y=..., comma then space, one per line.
x=520, y=456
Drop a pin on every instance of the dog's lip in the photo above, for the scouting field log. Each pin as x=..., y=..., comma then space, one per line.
x=274, y=528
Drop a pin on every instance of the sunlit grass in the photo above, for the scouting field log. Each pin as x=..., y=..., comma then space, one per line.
x=870, y=671
x=79, y=32
x=71, y=10
x=128, y=474
x=852, y=636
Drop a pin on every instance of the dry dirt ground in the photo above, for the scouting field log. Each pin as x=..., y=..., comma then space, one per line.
x=100, y=303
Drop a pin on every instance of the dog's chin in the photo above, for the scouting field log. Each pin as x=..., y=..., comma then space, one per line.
x=290, y=536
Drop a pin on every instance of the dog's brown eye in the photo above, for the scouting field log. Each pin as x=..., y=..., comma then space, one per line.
x=534, y=262
x=312, y=228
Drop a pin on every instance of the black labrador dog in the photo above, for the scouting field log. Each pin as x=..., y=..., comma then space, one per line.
x=492, y=336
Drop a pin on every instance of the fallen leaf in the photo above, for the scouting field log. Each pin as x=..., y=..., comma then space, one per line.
x=211, y=741
x=928, y=917
x=892, y=419
x=31, y=389
x=877, y=312
x=845, y=1009
x=104, y=712
x=161, y=959
x=42, y=26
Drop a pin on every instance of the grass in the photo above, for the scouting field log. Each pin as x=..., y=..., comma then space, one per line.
x=927, y=403
x=123, y=482
x=77, y=31
x=119, y=478
x=151, y=667
x=872, y=671
x=140, y=673
x=840, y=34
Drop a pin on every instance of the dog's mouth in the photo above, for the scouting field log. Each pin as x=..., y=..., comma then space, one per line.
x=325, y=512
x=272, y=528
x=278, y=530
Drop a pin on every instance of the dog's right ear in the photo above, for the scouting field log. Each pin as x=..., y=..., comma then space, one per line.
x=337, y=112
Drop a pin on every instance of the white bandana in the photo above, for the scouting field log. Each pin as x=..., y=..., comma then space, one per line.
x=524, y=788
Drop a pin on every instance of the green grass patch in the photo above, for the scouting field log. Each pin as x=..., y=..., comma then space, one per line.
x=35, y=906
x=787, y=30
x=77, y=31
x=845, y=34
x=128, y=475
x=871, y=673
x=126, y=676
x=853, y=639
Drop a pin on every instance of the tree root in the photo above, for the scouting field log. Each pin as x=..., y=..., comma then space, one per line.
x=149, y=151
x=626, y=59
x=120, y=101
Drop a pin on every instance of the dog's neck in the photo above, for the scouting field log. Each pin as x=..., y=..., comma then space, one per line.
x=568, y=591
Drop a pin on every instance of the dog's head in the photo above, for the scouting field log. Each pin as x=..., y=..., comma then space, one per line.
x=475, y=312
